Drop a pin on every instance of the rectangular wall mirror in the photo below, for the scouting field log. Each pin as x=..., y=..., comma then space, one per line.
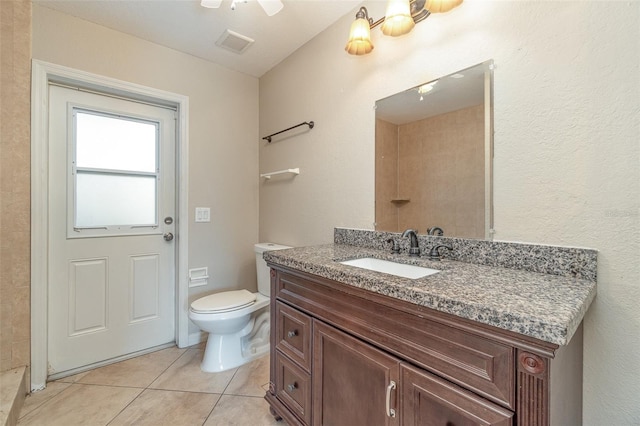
x=434, y=156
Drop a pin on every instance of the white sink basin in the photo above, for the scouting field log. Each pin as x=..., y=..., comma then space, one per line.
x=392, y=268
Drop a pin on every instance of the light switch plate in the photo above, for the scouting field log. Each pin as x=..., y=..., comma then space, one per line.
x=203, y=214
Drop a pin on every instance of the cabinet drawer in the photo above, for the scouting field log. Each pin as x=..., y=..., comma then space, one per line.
x=293, y=335
x=293, y=387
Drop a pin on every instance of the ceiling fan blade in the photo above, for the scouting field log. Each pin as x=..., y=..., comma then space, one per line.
x=213, y=4
x=271, y=7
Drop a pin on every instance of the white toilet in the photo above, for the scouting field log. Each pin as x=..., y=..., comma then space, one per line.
x=237, y=321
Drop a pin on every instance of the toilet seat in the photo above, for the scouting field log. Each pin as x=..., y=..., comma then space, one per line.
x=226, y=301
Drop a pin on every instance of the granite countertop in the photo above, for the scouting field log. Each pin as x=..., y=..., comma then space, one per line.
x=544, y=306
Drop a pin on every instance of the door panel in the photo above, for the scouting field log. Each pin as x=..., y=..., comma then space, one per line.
x=145, y=287
x=87, y=296
x=111, y=273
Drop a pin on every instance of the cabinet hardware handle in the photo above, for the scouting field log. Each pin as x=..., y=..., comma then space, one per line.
x=292, y=333
x=292, y=387
x=390, y=411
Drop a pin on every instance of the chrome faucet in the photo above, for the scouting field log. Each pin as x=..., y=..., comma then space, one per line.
x=414, y=250
x=435, y=230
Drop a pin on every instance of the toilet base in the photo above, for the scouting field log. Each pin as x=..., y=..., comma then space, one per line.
x=226, y=351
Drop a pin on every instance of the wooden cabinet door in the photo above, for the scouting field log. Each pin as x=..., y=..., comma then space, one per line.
x=427, y=400
x=351, y=381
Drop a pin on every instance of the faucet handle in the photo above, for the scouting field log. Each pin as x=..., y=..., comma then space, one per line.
x=435, y=230
x=395, y=247
x=434, y=254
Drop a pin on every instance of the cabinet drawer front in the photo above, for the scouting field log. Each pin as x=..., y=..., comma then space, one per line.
x=293, y=334
x=426, y=338
x=293, y=387
x=426, y=400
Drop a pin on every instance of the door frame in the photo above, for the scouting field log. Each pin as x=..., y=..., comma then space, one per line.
x=41, y=74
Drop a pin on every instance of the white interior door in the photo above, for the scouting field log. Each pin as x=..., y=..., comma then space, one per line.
x=111, y=209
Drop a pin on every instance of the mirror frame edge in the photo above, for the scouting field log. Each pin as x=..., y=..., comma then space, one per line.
x=489, y=149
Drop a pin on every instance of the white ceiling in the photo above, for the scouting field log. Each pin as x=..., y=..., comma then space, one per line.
x=186, y=26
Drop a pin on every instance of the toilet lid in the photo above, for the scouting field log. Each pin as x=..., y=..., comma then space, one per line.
x=225, y=301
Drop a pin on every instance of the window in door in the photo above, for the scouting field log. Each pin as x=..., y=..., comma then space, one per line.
x=114, y=174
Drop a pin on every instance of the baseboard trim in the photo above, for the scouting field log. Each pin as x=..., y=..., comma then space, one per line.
x=196, y=338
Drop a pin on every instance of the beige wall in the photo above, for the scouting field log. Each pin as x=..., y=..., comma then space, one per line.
x=386, y=183
x=15, y=66
x=440, y=170
x=223, y=136
x=567, y=160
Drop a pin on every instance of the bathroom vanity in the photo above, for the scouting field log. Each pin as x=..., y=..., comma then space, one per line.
x=472, y=344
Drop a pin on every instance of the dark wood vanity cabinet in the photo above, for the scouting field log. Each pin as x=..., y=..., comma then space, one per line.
x=345, y=356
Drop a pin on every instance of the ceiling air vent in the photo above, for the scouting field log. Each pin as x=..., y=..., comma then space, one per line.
x=234, y=42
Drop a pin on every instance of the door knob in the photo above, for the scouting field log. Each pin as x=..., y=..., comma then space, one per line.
x=168, y=236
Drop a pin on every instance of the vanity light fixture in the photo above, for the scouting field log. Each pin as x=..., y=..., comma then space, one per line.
x=397, y=20
x=441, y=6
x=270, y=7
x=360, y=34
x=400, y=18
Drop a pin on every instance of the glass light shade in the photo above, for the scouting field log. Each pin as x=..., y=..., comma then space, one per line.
x=441, y=6
x=212, y=4
x=359, y=38
x=397, y=20
x=271, y=7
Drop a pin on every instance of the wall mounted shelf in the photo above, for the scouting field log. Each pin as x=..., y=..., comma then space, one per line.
x=400, y=201
x=295, y=171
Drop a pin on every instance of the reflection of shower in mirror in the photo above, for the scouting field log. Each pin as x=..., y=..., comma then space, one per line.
x=434, y=156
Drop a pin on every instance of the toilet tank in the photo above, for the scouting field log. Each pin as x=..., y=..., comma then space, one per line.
x=262, y=270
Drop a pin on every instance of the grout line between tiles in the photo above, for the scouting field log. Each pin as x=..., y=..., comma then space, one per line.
x=211, y=411
x=142, y=389
x=43, y=403
x=125, y=407
x=242, y=396
x=146, y=387
x=221, y=395
x=168, y=367
x=230, y=380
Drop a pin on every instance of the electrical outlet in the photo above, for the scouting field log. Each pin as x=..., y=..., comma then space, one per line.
x=203, y=214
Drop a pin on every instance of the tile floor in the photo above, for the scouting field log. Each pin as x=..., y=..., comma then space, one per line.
x=161, y=388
